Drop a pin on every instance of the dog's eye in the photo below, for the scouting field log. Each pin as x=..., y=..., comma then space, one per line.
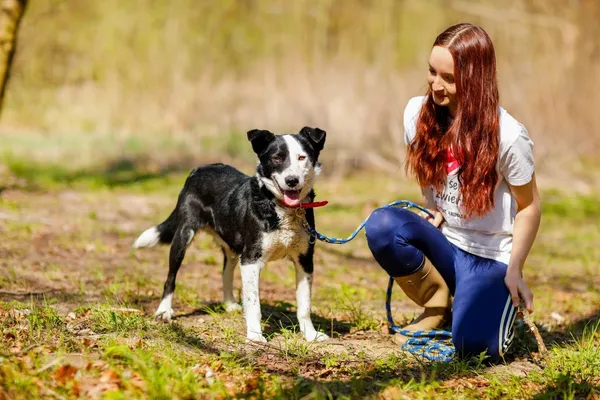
x=301, y=158
x=276, y=160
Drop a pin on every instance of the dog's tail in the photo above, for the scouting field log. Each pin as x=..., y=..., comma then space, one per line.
x=162, y=233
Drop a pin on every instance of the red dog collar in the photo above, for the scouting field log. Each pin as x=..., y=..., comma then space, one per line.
x=308, y=205
x=314, y=204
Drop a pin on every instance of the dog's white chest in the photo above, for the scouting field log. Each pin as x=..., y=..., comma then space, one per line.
x=290, y=239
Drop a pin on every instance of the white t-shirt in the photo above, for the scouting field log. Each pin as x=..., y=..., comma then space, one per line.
x=489, y=236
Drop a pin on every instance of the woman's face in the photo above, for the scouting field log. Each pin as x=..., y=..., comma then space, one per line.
x=441, y=78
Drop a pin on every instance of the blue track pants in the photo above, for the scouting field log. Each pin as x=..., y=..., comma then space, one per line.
x=482, y=312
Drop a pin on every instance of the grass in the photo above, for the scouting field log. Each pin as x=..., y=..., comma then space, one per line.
x=76, y=307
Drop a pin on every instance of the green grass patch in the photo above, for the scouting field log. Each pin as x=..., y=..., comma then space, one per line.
x=574, y=207
x=123, y=173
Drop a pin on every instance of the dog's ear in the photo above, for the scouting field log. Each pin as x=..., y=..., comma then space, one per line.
x=316, y=137
x=260, y=139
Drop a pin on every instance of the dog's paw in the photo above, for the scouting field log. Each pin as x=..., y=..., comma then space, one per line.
x=315, y=336
x=164, y=315
x=232, y=307
x=255, y=337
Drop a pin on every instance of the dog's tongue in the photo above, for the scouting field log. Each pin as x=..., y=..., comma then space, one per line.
x=291, y=198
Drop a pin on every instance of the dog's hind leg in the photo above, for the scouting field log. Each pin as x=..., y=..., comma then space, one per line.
x=230, y=261
x=304, y=278
x=181, y=240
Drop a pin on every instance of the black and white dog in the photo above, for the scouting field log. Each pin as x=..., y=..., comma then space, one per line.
x=253, y=219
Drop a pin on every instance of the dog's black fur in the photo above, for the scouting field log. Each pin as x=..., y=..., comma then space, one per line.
x=251, y=218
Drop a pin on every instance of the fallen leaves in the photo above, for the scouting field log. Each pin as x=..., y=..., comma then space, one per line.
x=251, y=384
x=64, y=373
x=108, y=381
x=88, y=343
x=93, y=380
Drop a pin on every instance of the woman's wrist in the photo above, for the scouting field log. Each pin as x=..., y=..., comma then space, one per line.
x=514, y=269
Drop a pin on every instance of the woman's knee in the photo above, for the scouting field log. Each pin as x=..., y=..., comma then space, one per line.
x=385, y=240
x=383, y=224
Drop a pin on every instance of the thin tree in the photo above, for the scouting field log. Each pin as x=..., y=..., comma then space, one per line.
x=11, y=12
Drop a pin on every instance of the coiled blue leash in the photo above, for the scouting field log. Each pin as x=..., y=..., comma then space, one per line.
x=436, y=344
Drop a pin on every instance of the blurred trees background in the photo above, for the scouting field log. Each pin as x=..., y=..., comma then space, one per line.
x=101, y=78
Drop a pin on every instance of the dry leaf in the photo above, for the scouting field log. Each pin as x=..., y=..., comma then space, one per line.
x=251, y=384
x=95, y=390
x=76, y=390
x=217, y=366
x=87, y=342
x=64, y=373
x=110, y=376
x=97, y=364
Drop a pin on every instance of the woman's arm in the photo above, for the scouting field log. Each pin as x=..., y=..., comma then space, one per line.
x=527, y=222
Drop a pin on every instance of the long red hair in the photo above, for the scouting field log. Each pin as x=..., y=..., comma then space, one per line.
x=474, y=134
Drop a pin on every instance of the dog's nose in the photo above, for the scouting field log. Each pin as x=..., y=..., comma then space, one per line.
x=292, y=181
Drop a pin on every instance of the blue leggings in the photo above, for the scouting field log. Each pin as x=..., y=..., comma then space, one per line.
x=482, y=312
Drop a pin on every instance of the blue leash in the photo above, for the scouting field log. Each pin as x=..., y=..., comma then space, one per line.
x=334, y=240
x=435, y=345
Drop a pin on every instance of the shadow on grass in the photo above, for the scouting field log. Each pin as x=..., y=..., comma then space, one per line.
x=565, y=387
x=45, y=297
x=184, y=337
x=276, y=317
x=208, y=308
x=118, y=172
x=282, y=315
x=403, y=377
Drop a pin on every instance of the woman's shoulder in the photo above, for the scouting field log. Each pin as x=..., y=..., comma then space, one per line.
x=511, y=129
x=516, y=160
x=413, y=107
x=411, y=115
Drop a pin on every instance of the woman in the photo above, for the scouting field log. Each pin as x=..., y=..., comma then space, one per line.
x=474, y=163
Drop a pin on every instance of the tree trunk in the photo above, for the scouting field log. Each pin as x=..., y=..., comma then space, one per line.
x=11, y=12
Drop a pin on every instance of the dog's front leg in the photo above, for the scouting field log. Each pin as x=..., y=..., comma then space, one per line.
x=251, y=299
x=304, y=278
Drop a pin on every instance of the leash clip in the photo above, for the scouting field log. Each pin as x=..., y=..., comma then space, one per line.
x=301, y=215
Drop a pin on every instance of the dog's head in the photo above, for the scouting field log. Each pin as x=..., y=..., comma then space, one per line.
x=288, y=164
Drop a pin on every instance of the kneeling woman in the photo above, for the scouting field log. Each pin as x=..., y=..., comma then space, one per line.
x=474, y=163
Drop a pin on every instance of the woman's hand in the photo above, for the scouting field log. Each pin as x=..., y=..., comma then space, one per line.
x=430, y=206
x=517, y=286
x=437, y=219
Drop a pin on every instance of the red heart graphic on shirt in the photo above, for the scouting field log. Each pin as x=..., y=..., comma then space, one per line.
x=451, y=162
